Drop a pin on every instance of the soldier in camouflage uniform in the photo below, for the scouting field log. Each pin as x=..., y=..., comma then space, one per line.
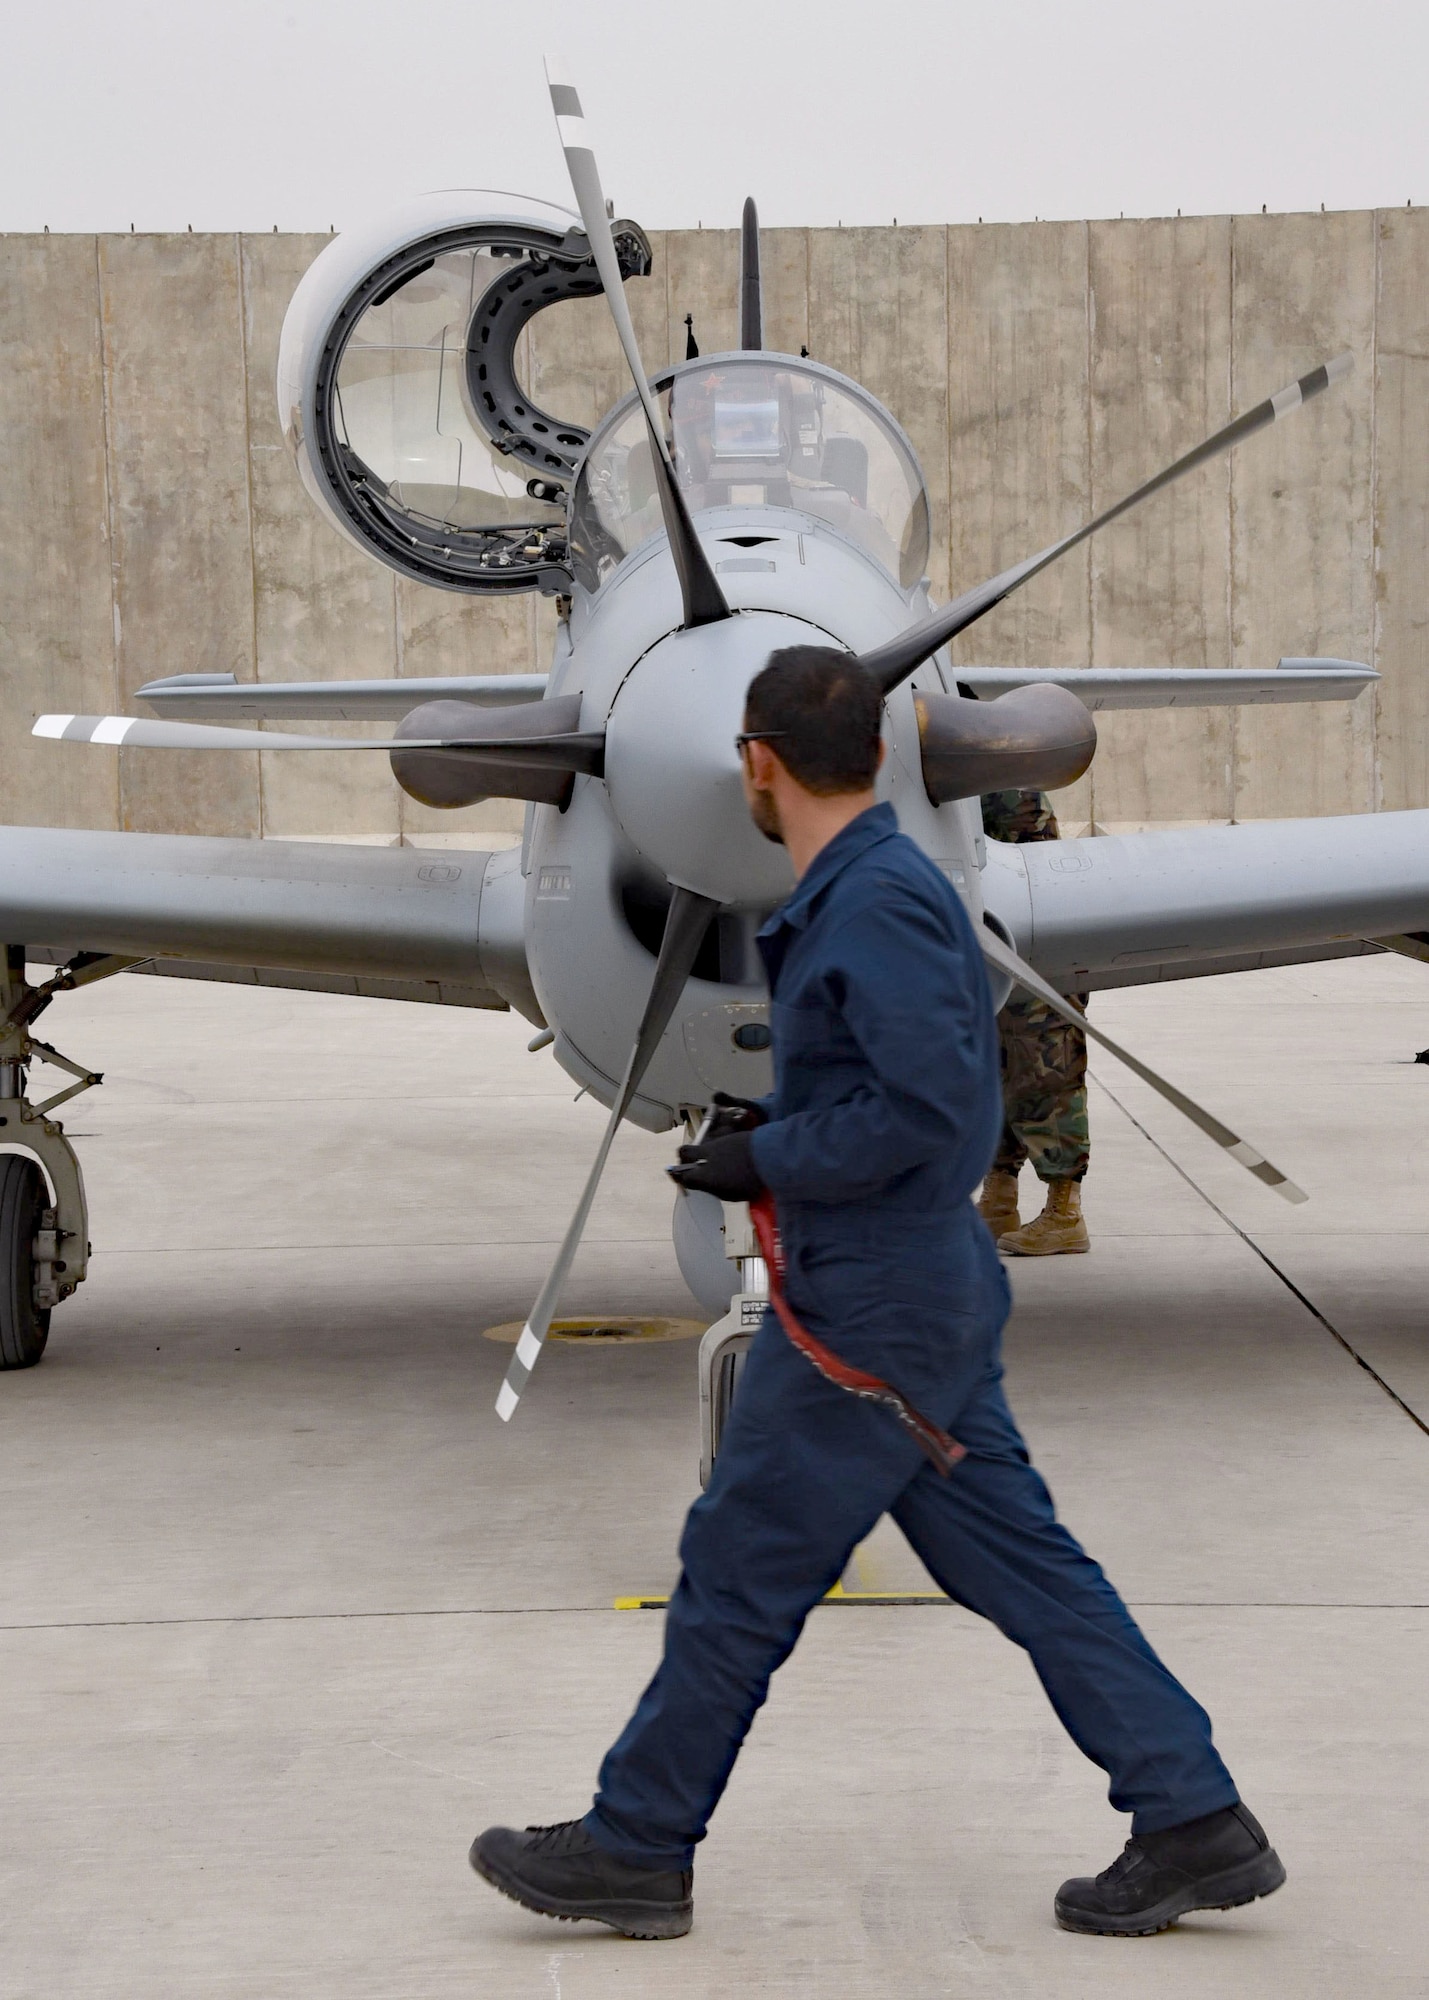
x=1044, y=1086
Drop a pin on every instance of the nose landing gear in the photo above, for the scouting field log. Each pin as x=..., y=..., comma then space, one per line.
x=726, y=1343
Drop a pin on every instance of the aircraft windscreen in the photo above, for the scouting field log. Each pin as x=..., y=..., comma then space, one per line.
x=755, y=433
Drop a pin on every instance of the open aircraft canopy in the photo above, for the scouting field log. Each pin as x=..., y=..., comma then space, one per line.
x=398, y=392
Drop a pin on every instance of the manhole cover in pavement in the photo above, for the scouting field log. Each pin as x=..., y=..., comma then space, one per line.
x=609, y=1331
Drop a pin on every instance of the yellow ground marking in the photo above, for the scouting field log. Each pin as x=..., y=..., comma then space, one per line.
x=838, y=1595
x=611, y=1330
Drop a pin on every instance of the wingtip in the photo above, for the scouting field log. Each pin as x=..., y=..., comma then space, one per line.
x=506, y=1402
x=51, y=725
x=1342, y=365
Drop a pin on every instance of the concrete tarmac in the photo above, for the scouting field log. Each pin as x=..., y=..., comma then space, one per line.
x=286, y=1615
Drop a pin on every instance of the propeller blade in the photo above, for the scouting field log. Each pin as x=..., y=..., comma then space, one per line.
x=685, y=924
x=751, y=291
x=703, y=599
x=1006, y=960
x=575, y=750
x=893, y=662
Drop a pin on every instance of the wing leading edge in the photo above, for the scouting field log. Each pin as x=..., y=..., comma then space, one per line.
x=402, y=922
x=222, y=697
x=1179, y=687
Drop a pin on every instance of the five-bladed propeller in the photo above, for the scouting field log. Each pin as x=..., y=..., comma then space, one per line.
x=528, y=750
x=890, y=664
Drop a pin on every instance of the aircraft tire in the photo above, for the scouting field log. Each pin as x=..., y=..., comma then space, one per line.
x=24, y=1328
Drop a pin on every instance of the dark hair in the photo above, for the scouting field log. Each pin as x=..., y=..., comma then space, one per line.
x=823, y=712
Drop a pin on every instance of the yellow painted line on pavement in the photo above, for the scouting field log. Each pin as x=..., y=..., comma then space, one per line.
x=838, y=1595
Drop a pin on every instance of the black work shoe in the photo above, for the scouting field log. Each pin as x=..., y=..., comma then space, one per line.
x=561, y=1872
x=1213, y=1863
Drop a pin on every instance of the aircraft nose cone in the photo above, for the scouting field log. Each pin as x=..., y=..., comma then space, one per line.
x=671, y=767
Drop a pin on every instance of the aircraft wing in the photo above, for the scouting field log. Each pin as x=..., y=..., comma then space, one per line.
x=395, y=923
x=224, y=698
x=1127, y=909
x=1174, y=687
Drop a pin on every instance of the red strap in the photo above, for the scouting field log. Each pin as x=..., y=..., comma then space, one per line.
x=936, y=1445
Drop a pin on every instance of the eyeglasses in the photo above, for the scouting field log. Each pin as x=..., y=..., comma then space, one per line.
x=757, y=736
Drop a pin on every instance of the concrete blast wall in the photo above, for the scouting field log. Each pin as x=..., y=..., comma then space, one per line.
x=151, y=522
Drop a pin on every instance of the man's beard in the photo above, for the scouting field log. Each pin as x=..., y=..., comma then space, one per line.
x=764, y=812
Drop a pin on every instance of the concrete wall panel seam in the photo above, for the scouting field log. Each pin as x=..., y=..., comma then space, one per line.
x=242, y=305
x=1233, y=740
x=109, y=537
x=1088, y=555
x=1375, y=775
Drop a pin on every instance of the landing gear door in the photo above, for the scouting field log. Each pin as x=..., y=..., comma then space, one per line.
x=398, y=391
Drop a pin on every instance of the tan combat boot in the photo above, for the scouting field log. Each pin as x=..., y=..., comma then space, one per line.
x=1058, y=1231
x=997, y=1204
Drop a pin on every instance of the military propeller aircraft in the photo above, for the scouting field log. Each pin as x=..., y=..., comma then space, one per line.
x=733, y=504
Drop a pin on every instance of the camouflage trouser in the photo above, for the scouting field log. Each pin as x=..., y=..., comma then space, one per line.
x=1044, y=1091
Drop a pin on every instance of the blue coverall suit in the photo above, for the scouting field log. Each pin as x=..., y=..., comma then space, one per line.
x=886, y=1111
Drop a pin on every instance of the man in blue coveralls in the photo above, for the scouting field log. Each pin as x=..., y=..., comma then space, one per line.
x=885, y=1114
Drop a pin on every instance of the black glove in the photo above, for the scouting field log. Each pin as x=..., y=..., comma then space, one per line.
x=723, y=1166
x=732, y=1114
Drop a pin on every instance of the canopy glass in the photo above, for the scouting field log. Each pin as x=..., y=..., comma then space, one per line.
x=402, y=408
x=758, y=431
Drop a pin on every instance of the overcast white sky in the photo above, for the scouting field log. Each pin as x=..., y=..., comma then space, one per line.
x=310, y=113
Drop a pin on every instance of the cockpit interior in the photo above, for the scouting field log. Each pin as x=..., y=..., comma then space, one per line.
x=755, y=431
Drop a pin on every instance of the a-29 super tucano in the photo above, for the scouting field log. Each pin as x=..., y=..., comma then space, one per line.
x=736, y=503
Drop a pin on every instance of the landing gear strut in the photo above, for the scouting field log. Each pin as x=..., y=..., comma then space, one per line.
x=725, y=1344
x=44, y=1220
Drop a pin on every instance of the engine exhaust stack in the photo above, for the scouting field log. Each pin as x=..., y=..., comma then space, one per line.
x=1034, y=739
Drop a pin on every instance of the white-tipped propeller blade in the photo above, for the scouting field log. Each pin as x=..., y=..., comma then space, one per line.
x=1007, y=960
x=893, y=662
x=141, y=734
x=685, y=924
x=704, y=601
x=573, y=750
x=590, y=200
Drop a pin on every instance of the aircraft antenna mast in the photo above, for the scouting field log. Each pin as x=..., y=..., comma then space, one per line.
x=751, y=296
